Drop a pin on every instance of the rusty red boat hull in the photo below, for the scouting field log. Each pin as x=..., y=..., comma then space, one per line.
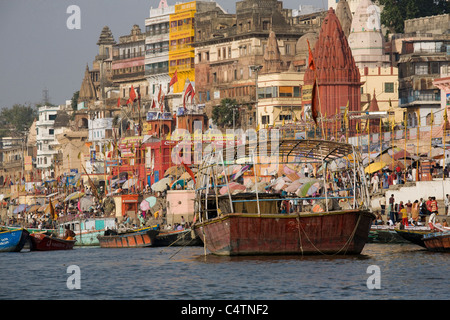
x=339, y=232
x=43, y=242
x=129, y=240
x=439, y=242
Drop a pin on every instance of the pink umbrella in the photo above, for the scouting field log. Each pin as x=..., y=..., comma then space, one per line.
x=288, y=170
x=234, y=187
x=144, y=205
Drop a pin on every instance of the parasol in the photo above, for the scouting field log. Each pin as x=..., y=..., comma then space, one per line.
x=144, y=206
x=174, y=171
x=73, y=196
x=151, y=201
x=308, y=188
x=129, y=183
x=234, y=188
x=86, y=203
x=293, y=186
x=240, y=172
x=33, y=208
x=161, y=185
x=20, y=208
x=374, y=167
x=181, y=182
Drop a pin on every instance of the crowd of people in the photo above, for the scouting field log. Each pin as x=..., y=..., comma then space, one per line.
x=411, y=213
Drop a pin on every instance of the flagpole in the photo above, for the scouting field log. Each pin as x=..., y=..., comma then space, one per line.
x=431, y=130
x=406, y=135
x=443, y=140
x=381, y=141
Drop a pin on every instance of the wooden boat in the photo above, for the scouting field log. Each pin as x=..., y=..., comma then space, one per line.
x=437, y=241
x=135, y=239
x=414, y=234
x=13, y=240
x=45, y=242
x=86, y=229
x=251, y=223
x=177, y=238
x=385, y=234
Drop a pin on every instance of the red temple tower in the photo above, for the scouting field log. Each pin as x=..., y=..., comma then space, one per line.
x=336, y=73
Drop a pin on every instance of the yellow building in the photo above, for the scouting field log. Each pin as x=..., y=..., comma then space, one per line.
x=181, y=38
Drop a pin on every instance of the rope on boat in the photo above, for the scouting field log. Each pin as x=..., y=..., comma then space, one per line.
x=343, y=247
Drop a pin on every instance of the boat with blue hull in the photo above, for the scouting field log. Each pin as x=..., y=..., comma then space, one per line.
x=13, y=240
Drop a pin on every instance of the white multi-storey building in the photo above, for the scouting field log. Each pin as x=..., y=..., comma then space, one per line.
x=157, y=48
x=46, y=140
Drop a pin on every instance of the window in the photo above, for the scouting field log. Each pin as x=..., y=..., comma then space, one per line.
x=52, y=117
x=51, y=131
x=389, y=87
x=421, y=68
x=288, y=48
x=286, y=91
x=265, y=119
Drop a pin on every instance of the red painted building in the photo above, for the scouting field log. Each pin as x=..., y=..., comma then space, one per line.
x=336, y=73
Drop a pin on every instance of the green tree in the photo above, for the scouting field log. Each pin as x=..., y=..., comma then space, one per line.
x=74, y=100
x=222, y=115
x=19, y=117
x=395, y=12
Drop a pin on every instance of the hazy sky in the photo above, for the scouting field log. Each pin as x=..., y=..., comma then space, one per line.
x=39, y=51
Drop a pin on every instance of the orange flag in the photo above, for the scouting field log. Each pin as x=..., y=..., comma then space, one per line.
x=311, y=63
x=174, y=79
x=189, y=171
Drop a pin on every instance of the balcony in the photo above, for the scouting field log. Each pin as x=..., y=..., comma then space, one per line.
x=154, y=71
x=129, y=75
x=130, y=55
x=181, y=67
x=429, y=98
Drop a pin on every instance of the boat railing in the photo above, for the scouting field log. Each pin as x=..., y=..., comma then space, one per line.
x=320, y=154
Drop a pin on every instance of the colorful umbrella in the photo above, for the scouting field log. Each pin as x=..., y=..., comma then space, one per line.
x=374, y=167
x=20, y=208
x=151, y=201
x=129, y=183
x=161, y=185
x=144, y=206
x=234, y=188
x=73, y=196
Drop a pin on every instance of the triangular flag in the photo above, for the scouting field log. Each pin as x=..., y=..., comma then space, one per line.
x=189, y=171
x=132, y=94
x=174, y=79
x=153, y=104
x=118, y=102
x=159, y=94
x=311, y=63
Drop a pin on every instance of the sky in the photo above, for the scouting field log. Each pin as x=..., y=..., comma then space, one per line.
x=39, y=51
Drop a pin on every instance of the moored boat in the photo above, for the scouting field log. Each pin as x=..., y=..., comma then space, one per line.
x=414, y=234
x=13, y=240
x=134, y=239
x=45, y=242
x=87, y=229
x=177, y=238
x=258, y=223
x=385, y=234
x=437, y=241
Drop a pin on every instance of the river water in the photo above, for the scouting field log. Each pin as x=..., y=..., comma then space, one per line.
x=405, y=272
